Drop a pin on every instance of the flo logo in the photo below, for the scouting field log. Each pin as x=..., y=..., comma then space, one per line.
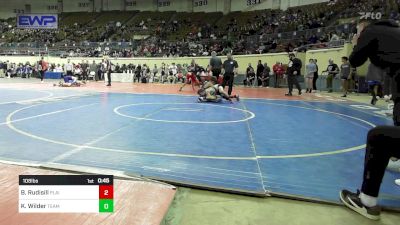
x=370, y=15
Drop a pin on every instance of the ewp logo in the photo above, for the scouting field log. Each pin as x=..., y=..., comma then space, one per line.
x=370, y=15
x=37, y=21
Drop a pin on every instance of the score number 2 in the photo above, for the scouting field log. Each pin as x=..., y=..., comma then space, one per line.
x=106, y=192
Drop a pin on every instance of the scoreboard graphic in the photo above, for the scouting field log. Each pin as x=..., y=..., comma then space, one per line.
x=66, y=194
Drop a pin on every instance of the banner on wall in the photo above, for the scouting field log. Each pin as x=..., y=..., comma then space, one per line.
x=37, y=21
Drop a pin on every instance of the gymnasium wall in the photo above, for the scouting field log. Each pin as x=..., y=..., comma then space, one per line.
x=10, y=8
x=208, y=6
x=77, y=6
x=322, y=56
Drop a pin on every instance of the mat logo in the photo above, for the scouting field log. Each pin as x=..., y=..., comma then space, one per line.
x=370, y=15
x=37, y=21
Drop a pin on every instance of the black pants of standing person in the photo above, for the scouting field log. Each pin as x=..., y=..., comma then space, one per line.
x=329, y=82
x=292, y=80
x=228, y=80
x=216, y=72
x=382, y=144
x=109, y=78
x=276, y=84
x=314, y=81
x=42, y=75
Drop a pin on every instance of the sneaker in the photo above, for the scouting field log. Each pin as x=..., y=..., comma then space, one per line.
x=397, y=182
x=330, y=91
x=237, y=98
x=180, y=89
x=394, y=165
x=387, y=98
x=300, y=92
x=344, y=96
x=352, y=201
x=288, y=94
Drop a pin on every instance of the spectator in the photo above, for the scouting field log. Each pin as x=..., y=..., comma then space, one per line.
x=138, y=73
x=345, y=75
x=94, y=71
x=332, y=70
x=250, y=76
x=69, y=68
x=311, y=68
x=265, y=75
x=215, y=64
x=315, y=78
x=278, y=72
x=44, y=66
x=260, y=71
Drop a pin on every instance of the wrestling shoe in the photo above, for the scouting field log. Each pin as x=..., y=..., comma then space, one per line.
x=352, y=201
x=373, y=101
x=200, y=99
x=387, y=98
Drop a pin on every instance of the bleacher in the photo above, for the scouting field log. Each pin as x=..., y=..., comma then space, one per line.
x=114, y=16
x=80, y=18
x=257, y=28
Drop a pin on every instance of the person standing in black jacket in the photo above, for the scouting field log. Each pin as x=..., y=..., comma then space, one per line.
x=315, y=78
x=377, y=42
x=108, y=71
x=259, y=73
x=293, y=72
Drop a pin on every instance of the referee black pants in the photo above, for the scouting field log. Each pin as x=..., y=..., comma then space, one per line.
x=109, y=78
x=216, y=72
x=382, y=143
x=228, y=80
x=292, y=80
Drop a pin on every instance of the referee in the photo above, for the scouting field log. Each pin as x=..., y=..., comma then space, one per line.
x=215, y=64
x=229, y=69
x=293, y=72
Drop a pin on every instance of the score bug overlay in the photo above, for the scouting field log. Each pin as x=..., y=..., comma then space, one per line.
x=66, y=194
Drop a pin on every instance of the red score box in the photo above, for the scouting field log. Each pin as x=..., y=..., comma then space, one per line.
x=106, y=192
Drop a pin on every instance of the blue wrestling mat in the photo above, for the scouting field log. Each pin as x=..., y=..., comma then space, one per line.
x=307, y=150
